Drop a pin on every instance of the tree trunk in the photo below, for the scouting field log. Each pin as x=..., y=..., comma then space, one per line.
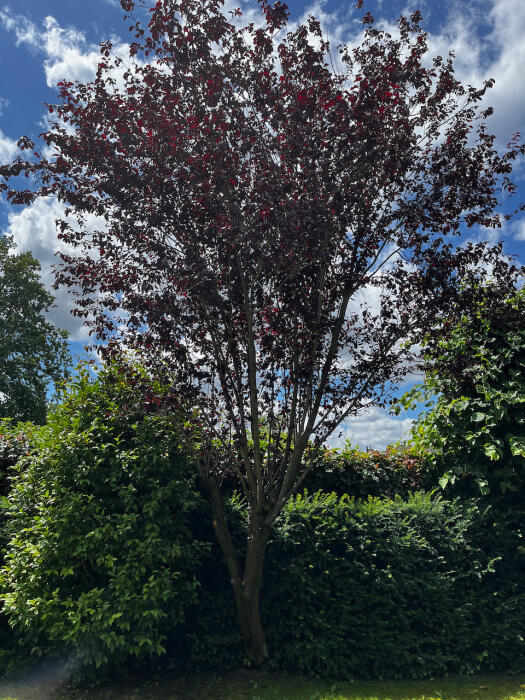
x=246, y=589
x=251, y=587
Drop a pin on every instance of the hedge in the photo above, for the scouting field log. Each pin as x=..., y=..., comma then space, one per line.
x=111, y=556
x=100, y=562
x=375, y=588
x=391, y=472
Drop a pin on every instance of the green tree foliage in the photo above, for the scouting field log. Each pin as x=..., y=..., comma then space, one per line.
x=33, y=352
x=475, y=428
x=99, y=560
x=15, y=442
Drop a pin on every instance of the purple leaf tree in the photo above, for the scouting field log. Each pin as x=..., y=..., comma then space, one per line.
x=259, y=189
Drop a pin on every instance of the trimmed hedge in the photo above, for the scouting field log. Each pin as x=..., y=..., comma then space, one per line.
x=112, y=555
x=391, y=472
x=375, y=589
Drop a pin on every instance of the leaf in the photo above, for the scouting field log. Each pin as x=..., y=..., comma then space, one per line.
x=492, y=451
x=444, y=480
x=114, y=617
x=517, y=445
x=4, y=502
x=478, y=417
x=483, y=486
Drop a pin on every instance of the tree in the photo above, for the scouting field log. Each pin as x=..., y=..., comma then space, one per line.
x=475, y=427
x=33, y=352
x=255, y=197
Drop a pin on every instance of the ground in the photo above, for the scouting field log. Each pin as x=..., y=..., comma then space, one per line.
x=247, y=685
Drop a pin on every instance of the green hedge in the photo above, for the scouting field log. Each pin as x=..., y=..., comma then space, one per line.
x=391, y=472
x=111, y=555
x=376, y=589
x=100, y=562
x=15, y=443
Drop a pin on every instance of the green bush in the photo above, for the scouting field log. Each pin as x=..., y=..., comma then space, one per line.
x=375, y=588
x=111, y=555
x=15, y=442
x=100, y=560
x=391, y=472
x=473, y=433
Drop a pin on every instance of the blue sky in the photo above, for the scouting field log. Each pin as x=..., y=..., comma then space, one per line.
x=43, y=41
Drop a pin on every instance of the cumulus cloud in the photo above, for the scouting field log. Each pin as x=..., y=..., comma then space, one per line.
x=67, y=54
x=507, y=18
x=500, y=54
x=65, y=58
x=373, y=428
x=519, y=230
x=8, y=148
x=33, y=229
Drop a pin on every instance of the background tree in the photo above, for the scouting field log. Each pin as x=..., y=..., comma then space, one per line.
x=256, y=198
x=475, y=428
x=33, y=352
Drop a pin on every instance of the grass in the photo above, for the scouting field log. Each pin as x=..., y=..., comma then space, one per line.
x=246, y=685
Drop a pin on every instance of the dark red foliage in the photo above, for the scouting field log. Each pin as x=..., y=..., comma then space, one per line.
x=251, y=194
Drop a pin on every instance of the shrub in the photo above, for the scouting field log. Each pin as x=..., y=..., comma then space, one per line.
x=15, y=442
x=100, y=561
x=376, y=588
x=474, y=431
x=386, y=589
x=361, y=474
x=109, y=539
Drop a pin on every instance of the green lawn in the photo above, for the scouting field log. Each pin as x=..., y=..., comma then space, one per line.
x=250, y=686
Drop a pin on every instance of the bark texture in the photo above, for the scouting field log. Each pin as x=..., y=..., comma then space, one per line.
x=246, y=583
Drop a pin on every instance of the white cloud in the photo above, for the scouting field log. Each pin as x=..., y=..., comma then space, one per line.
x=3, y=104
x=61, y=47
x=373, y=428
x=33, y=229
x=519, y=230
x=8, y=148
x=65, y=59
x=500, y=54
x=507, y=18
x=66, y=50
x=25, y=31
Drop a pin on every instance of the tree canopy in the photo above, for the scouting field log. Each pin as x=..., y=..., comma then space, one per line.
x=281, y=226
x=33, y=352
